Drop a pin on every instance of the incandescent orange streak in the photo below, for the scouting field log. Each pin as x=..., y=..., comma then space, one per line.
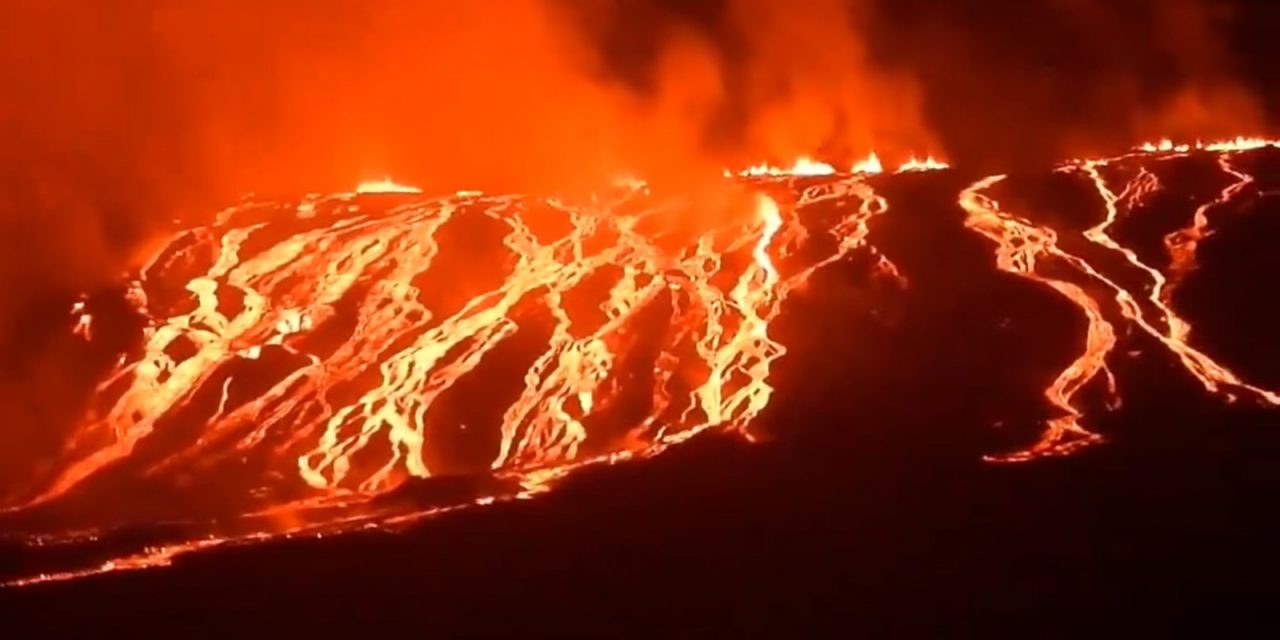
x=1020, y=245
x=1214, y=377
x=1182, y=244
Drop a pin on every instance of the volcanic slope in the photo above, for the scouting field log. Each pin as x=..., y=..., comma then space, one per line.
x=360, y=361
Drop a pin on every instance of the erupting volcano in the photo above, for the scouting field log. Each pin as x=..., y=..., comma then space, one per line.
x=299, y=368
x=614, y=312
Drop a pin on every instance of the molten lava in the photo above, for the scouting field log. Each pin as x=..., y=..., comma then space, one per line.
x=323, y=350
x=1022, y=246
x=314, y=360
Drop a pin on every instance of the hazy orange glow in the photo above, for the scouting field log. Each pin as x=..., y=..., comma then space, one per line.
x=133, y=116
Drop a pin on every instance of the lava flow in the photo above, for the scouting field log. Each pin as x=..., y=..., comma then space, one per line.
x=368, y=359
x=1022, y=245
x=330, y=353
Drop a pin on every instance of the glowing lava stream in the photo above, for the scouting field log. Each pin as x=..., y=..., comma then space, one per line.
x=346, y=449
x=1020, y=244
x=1181, y=244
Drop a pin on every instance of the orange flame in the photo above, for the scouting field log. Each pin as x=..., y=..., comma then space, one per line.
x=869, y=165
x=385, y=185
x=927, y=164
x=803, y=166
x=1162, y=146
x=1239, y=144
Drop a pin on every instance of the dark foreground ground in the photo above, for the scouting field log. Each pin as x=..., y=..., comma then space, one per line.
x=869, y=513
